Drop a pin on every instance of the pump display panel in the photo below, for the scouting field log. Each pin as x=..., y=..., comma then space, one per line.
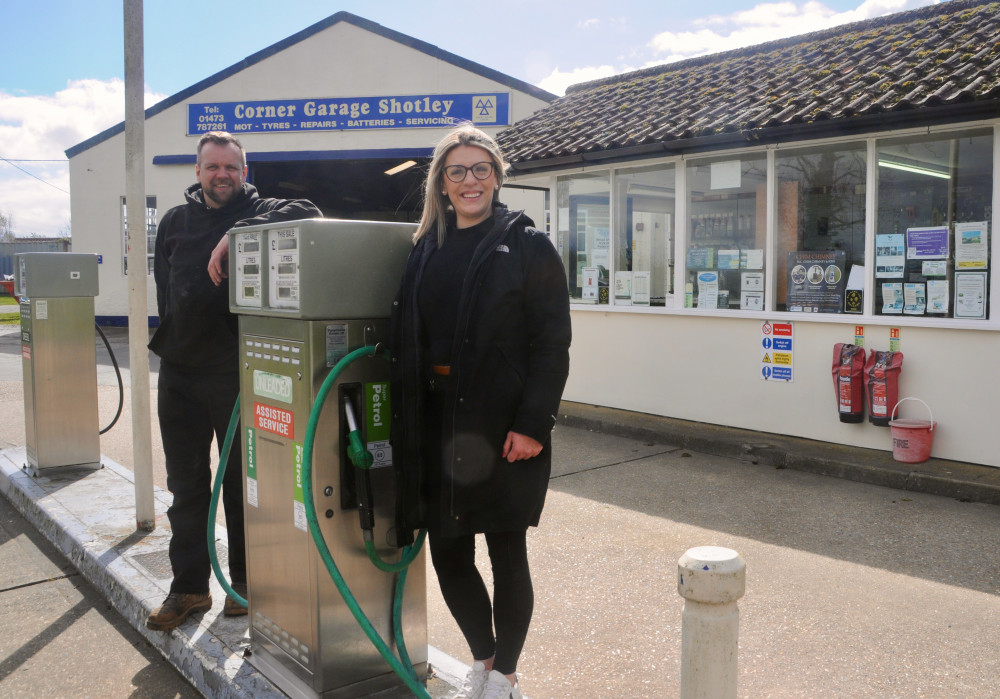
x=247, y=261
x=276, y=266
x=283, y=264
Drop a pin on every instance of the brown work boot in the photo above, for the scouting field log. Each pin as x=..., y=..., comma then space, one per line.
x=176, y=608
x=232, y=607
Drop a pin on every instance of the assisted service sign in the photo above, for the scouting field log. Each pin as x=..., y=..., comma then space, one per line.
x=350, y=113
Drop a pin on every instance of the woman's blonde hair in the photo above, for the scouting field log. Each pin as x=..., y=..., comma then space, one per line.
x=436, y=203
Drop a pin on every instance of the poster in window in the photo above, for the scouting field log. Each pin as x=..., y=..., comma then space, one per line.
x=752, y=301
x=752, y=259
x=729, y=259
x=937, y=296
x=971, y=245
x=890, y=255
x=623, y=288
x=752, y=281
x=934, y=268
x=725, y=174
x=927, y=243
x=601, y=252
x=701, y=258
x=708, y=290
x=816, y=281
x=892, y=298
x=854, y=297
x=640, y=288
x=914, y=298
x=590, y=283
x=970, y=295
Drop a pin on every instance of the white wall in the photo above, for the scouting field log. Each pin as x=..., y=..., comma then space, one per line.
x=708, y=369
x=340, y=61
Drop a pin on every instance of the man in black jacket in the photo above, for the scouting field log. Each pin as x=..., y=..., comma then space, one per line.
x=199, y=379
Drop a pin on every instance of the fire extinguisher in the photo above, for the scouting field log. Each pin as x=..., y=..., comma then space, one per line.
x=882, y=385
x=848, y=370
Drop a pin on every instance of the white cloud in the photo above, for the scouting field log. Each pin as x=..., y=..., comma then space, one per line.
x=42, y=127
x=557, y=81
x=763, y=22
x=766, y=22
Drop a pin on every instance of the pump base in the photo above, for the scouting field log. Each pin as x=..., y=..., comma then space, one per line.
x=266, y=658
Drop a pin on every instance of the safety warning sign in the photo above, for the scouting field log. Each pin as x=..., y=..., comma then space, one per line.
x=776, y=352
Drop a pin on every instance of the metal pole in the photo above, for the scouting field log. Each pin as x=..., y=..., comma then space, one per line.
x=135, y=214
x=710, y=579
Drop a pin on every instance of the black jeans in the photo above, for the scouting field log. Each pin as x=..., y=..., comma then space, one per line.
x=192, y=407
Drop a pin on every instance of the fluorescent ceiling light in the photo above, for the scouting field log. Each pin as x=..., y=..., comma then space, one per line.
x=650, y=190
x=914, y=169
x=402, y=166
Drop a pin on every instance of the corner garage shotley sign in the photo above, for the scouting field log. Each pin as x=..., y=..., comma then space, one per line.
x=349, y=113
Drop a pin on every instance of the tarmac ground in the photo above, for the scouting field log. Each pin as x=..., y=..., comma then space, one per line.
x=60, y=633
x=854, y=588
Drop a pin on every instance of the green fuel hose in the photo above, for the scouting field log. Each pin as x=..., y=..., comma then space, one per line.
x=213, y=506
x=362, y=459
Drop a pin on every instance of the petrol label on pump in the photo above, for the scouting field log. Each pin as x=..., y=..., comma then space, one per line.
x=377, y=427
x=251, y=459
x=299, y=501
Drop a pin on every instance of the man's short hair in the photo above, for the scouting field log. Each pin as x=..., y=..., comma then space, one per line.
x=221, y=138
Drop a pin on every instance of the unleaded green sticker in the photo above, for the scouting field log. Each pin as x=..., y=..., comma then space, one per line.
x=274, y=386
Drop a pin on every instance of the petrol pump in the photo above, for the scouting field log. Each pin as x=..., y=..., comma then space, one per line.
x=58, y=359
x=307, y=294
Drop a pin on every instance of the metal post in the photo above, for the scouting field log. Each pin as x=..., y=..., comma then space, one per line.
x=135, y=214
x=710, y=579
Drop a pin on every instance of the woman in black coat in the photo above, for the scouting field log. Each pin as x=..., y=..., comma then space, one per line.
x=481, y=334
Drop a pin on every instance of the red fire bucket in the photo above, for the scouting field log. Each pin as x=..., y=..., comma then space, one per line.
x=912, y=439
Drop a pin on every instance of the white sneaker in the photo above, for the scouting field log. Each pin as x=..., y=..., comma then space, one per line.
x=475, y=682
x=499, y=687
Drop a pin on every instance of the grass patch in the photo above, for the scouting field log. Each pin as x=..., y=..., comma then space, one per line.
x=12, y=317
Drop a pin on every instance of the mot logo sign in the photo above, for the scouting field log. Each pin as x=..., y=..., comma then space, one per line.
x=484, y=109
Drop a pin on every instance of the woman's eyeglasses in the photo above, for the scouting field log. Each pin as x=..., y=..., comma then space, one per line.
x=456, y=173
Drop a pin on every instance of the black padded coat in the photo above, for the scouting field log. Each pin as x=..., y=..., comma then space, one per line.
x=509, y=364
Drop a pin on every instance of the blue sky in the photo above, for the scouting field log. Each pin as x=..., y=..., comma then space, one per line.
x=62, y=65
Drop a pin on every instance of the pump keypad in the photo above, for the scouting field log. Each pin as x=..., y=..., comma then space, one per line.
x=277, y=352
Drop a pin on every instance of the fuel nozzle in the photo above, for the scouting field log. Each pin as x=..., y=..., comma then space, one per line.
x=362, y=459
x=356, y=451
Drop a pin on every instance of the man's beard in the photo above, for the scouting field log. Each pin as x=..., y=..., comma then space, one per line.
x=223, y=199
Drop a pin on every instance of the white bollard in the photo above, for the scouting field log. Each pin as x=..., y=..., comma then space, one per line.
x=710, y=579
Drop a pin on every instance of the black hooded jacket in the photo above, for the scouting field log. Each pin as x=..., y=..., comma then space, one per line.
x=509, y=365
x=197, y=331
